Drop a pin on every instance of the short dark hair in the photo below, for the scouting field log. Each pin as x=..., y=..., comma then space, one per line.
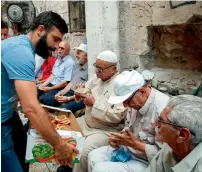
x=49, y=19
x=4, y=25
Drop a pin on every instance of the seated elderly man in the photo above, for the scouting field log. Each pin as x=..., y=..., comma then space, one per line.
x=62, y=72
x=100, y=117
x=180, y=127
x=138, y=137
x=66, y=96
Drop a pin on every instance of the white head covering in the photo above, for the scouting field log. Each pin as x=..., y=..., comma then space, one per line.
x=82, y=47
x=108, y=56
x=125, y=85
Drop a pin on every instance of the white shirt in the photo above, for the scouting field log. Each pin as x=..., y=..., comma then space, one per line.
x=166, y=161
x=141, y=123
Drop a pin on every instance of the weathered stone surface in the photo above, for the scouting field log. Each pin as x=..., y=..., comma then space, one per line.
x=173, y=91
x=135, y=41
x=178, y=46
x=162, y=88
x=180, y=92
x=154, y=83
x=167, y=16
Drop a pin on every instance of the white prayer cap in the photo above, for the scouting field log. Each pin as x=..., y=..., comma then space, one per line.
x=125, y=85
x=82, y=47
x=108, y=56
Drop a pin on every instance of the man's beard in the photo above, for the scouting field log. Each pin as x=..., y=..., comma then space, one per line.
x=42, y=48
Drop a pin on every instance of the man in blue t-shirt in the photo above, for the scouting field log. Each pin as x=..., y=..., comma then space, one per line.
x=18, y=81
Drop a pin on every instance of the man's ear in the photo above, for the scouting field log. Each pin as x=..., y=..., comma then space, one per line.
x=40, y=30
x=184, y=135
x=114, y=68
x=142, y=91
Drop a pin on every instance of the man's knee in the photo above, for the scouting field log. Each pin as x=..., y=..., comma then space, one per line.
x=48, y=100
x=74, y=106
x=101, y=154
x=102, y=167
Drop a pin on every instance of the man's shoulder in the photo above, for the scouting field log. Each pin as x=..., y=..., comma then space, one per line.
x=198, y=167
x=161, y=99
x=16, y=46
x=69, y=60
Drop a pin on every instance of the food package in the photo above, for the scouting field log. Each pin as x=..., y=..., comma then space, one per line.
x=38, y=150
x=64, y=122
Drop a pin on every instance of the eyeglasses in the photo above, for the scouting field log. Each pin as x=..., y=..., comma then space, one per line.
x=101, y=69
x=160, y=120
x=127, y=101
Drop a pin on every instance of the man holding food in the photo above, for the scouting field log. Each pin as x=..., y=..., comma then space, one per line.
x=66, y=95
x=100, y=117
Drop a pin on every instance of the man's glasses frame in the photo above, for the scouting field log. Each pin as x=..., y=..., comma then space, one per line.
x=160, y=120
x=102, y=69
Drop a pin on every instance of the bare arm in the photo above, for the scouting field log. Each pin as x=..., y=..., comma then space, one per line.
x=27, y=93
x=48, y=80
x=39, y=78
x=64, y=91
x=59, y=85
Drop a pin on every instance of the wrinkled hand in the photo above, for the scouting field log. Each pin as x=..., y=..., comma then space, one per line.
x=38, y=81
x=113, y=144
x=62, y=99
x=45, y=89
x=42, y=86
x=88, y=100
x=64, y=152
x=58, y=94
x=79, y=86
x=126, y=138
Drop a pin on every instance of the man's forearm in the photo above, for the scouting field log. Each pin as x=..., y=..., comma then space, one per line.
x=40, y=121
x=60, y=85
x=48, y=80
x=140, y=146
x=66, y=89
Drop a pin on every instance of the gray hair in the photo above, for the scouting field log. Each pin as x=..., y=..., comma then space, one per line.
x=186, y=111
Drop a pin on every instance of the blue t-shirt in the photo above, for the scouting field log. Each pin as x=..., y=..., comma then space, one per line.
x=17, y=63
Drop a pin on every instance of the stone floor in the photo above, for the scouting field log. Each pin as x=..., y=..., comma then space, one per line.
x=42, y=167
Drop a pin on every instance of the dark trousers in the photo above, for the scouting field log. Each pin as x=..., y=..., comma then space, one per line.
x=49, y=99
x=40, y=92
x=13, y=157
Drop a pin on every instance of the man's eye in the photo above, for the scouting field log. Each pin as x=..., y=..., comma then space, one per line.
x=56, y=39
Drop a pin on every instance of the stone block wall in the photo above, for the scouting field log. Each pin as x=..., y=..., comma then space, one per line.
x=136, y=44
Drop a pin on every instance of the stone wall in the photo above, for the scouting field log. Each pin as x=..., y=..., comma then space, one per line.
x=102, y=29
x=136, y=44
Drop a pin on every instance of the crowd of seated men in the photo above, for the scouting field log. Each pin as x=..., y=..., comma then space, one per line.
x=122, y=113
x=57, y=77
x=128, y=125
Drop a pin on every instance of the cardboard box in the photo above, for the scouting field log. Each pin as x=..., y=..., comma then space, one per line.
x=38, y=150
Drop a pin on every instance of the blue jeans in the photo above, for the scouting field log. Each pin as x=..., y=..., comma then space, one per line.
x=13, y=146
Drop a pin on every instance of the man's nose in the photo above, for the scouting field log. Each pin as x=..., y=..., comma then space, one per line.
x=56, y=46
x=98, y=71
x=156, y=123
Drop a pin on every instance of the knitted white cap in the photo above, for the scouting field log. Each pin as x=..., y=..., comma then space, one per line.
x=108, y=56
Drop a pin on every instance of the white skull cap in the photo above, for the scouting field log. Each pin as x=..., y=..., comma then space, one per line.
x=108, y=56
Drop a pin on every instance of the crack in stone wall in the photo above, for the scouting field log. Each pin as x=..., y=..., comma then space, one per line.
x=136, y=44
